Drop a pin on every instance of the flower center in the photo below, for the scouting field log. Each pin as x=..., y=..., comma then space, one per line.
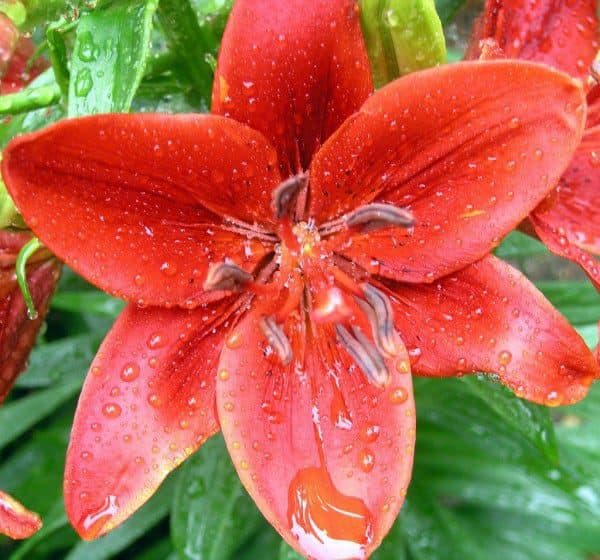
x=313, y=279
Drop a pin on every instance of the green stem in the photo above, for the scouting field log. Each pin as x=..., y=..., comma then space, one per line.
x=29, y=99
x=26, y=252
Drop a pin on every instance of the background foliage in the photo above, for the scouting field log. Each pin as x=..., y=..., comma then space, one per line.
x=495, y=477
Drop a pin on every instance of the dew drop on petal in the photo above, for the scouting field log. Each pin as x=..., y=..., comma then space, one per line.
x=130, y=372
x=111, y=410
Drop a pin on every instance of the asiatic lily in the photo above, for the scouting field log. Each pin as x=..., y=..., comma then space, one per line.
x=16, y=51
x=564, y=35
x=291, y=257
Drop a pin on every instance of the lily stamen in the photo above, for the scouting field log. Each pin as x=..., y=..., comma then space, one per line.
x=377, y=215
x=226, y=276
x=382, y=320
x=277, y=339
x=366, y=356
x=284, y=195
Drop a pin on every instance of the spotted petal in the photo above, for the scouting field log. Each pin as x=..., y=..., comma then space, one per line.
x=490, y=318
x=293, y=72
x=465, y=147
x=135, y=202
x=17, y=522
x=147, y=404
x=561, y=33
x=326, y=456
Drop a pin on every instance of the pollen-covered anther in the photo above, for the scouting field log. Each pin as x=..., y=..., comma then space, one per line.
x=277, y=339
x=380, y=313
x=226, y=276
x=364, y=353
x=378, y=215
x=285, y=194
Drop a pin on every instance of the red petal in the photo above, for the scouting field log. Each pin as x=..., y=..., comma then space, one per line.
x=147, y=404
x=294, y=72
x=16, y=71
x=489, y=317
x=464, y=147
x=17, y=522
x=135, y=190
x=18, y=333
x=326, y=456
x=562, y=33
x=568, y=221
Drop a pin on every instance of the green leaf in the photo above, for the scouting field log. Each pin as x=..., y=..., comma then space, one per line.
x=64, y=358
x=531, y=420
x=402, y=36
x=95, y=302
x=109, y=56
x=447, y=9
x=134, y=528
x=577, y=301
x=194, y=36
x=18, y=416
x=211, y=506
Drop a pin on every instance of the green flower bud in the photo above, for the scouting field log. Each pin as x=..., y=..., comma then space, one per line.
x=402, y=36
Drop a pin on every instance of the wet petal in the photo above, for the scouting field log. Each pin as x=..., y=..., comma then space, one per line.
x=568, y=221
x=17, y=522
x=147, y=404
x=294, y=73
x=326, y=456
x=464, y=147
x=561, y=33
x=136, y=194
x=16, y=70
x=490, y=318
x=18, y=333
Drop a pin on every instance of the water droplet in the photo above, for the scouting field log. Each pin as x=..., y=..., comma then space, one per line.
x=234, y=340
x=95, y=520
x=111, y=410
x=398, y=395
x=504, y=357
x=154, y=400
x=223, y=375
x=366, y=460
x=130, y=372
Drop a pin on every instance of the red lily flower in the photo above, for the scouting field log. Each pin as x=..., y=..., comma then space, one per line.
x=285, y=268
x=15, y=55
x=16, y=521
x=564, y=35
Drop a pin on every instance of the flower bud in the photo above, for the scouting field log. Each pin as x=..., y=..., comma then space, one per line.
x=402, y=36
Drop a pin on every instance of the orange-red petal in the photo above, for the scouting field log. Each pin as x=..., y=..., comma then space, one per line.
x=148, y=403
x=294, y=71
x=16, y=521
x=568, y=221
x=561, y=33
x=326, y=456
x=465, y=147
x=489, y=318
x=131, y=202
x=17, y=332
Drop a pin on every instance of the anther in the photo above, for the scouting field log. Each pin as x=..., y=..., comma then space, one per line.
x=377, y=215
x=365, y=355
x=226, y=276
x=382, y=320
x=284, y=195
x=277, y=339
